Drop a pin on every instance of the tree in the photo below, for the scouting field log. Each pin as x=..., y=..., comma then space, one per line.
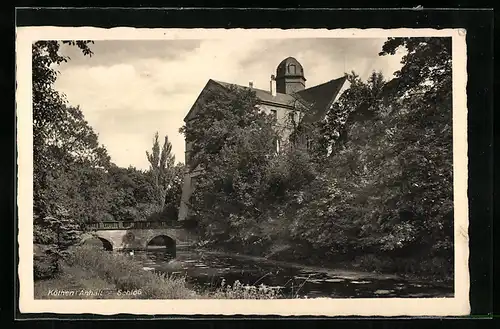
x=72, y=163
x=65, y=152
x=379, y=179
x=161, y=169
x=174, y=193
x=213, y=128
x=335, y=214
x=424, y=90
x=58, y=235
x=386, y=186
x=130, y=187
x=358, y=103
x=233, y=141
x=391, y=173
x=61, y=136
x=426, y=66
x=48, y=104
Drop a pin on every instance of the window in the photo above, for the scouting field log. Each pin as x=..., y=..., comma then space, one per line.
x=291, y=68
x=309, y=144
x=278, y=145
x=291, y=117
x=275, y=114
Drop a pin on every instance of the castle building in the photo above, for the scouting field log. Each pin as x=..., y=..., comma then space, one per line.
x=287, y=99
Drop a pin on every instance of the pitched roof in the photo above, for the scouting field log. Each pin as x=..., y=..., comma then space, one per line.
x=319, y=98
x=208, y=87
x=264, y=95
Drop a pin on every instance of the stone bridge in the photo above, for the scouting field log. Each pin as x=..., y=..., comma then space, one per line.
x=138, y=235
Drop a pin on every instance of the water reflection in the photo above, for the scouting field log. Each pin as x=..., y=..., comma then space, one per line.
x=165, y=244
x=206, y=271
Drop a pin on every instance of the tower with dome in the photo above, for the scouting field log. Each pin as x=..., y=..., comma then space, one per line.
x=290, y=76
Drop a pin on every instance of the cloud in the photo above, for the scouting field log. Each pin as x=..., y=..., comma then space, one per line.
x=110, y=52
x=128, y=90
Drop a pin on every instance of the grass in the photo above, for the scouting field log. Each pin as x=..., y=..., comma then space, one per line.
x=91, y=273
x=111, y=276
x=81, y=283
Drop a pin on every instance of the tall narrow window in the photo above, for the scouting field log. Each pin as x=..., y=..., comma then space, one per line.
x=193, y=181
x=291, y=118
x=278, y=146
x=308, y=143
x=275, y=114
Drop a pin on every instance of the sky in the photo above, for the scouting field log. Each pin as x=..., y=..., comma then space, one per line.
x=130, y=89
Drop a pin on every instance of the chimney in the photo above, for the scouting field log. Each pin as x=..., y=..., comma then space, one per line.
x=273, y=85
x=250, y=84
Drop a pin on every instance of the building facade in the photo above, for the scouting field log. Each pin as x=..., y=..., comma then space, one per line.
x=287, y=99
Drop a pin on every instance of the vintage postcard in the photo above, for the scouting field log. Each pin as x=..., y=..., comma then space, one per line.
x=242, y=171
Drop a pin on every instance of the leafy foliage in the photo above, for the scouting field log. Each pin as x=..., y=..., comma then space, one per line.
x=161, y=169
x=390, y=182
x=174, y=192
x=63, y=144
x=165, y=178
x=61, y=136
x=234, y=142
x=377, y=179
x=74, y=180
x=425, y=146
x=57, y=234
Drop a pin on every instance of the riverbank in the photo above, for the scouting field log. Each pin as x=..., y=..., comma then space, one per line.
x=432, y=269
x=205, y=269
x=91, y=273
x=109, y=275
x=76, y=283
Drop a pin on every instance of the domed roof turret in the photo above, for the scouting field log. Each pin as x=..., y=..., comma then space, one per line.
x=289, y=67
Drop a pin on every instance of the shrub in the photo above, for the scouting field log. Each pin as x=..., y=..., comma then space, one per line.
x=370, y=263
x=240, y=291
x=53, y=236
x=126, y=274
x=44, y=266
x=45, y=262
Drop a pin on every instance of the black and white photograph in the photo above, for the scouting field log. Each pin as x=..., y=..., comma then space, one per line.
x=288, y=171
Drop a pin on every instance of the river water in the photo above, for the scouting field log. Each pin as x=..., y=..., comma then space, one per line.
x=205, y=270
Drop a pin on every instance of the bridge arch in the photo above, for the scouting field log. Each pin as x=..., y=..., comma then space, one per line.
x=139, y=235
x=161, y=240
x=94, y=240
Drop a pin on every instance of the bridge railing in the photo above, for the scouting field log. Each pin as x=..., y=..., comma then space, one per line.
x=119, y=225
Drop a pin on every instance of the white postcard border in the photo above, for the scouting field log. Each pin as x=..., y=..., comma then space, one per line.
x=458, y=305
